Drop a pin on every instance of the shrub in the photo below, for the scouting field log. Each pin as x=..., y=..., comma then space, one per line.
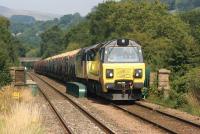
x=4, y=78
x=193, y=82
x=4, y=73
x=73, y=46
x=188, y=84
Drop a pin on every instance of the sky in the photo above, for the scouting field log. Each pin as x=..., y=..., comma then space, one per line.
x=53, y=6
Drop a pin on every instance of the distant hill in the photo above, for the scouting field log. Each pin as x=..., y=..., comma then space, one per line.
x=27, y=30
x=22, y=23
x=23, y=19
x=182, y=5
x=7, y=12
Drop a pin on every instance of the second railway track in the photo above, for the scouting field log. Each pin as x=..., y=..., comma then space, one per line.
x=165, y=121
x=101, y=126
x=169, y=123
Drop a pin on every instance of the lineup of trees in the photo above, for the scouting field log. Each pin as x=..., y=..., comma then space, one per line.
x=10, y=49
x=149, y=23
x=21, y=36
x=27, y=30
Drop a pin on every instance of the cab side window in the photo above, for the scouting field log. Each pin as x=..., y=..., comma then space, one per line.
x=91, y=55
x=101, y=53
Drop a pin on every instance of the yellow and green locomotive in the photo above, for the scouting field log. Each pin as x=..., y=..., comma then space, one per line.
x=114, y=69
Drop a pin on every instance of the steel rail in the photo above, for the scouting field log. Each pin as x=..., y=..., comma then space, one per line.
x=142, y=118
x=167, y=114
x=80, y=108
x=159, y=125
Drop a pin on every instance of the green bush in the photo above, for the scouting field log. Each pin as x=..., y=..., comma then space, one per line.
x=187, y=84
x=193, y=81
x=4, y=78
x=4, y=73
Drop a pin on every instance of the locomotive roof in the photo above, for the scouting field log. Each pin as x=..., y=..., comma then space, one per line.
x=70, y=53
x=93, y=47
x=111, y=42
x=98, y=45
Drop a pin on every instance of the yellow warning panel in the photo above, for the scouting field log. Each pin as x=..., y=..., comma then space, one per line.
x=16, y=95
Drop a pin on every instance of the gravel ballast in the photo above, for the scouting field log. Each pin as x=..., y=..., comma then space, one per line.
x=76, y=121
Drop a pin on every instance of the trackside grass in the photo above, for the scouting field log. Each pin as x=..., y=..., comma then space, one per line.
x=192, y=106
x=19, y=116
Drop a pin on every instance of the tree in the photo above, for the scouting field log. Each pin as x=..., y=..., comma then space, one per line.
x=5, y=42
x=79, y=35
x=165, y=38
x=193, y=19
x=4, y=73
x=52, y=41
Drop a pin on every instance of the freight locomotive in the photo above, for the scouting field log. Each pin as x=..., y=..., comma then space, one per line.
x=113, y=69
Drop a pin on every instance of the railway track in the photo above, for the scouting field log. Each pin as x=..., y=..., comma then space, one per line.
x=58, y=115
x=103, y=127
x=167, y=122
x=140, y=103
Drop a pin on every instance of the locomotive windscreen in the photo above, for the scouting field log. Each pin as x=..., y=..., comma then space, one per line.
x=123, y=54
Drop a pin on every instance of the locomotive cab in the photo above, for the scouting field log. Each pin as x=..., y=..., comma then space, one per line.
x=118, y=67
x=123, y=70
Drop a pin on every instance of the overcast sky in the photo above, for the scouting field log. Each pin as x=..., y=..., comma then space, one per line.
x=53, y=6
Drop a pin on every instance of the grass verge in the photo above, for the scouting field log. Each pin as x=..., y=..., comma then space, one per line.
x=19, y=116
x=192, y=105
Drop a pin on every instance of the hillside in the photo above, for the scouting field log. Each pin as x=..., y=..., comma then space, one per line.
x=182, y=5
x=7, y=12
x=23, y=19
x=28, y=30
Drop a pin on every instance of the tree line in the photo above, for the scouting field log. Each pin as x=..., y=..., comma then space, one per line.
x=27, y=30
x=10, y=49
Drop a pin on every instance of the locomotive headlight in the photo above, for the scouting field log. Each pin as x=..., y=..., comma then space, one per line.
x=138, y=73
x=109, y=73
